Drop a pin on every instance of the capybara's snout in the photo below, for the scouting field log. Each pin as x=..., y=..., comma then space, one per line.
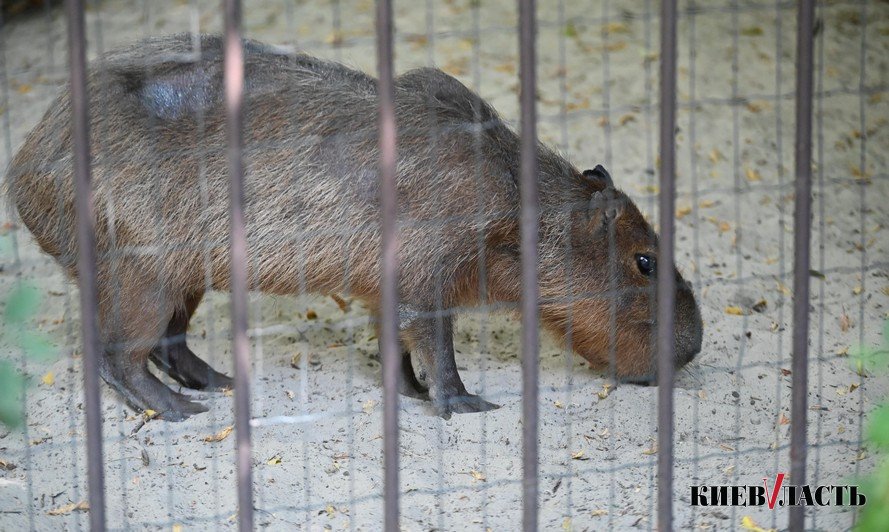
x=688, y=328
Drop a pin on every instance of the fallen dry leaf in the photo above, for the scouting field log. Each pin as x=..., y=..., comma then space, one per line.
x=845, y=322
x=219, y=436
x=340, y=302
x=311, y=315
x=275, y=460
x=558, y=404
x=783, y=420
x=734, y=310
x=716, y=156
x=753, y=175
x=606, y=389
x=598, y=513
x=747, y=523
x=368, y=406
x=682, y=212
x=579, y=455
x=81, y=506
x=48, y=379
x=478, y=476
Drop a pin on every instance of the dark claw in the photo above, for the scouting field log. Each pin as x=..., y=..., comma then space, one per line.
x=180, y=363
x=465, y=403
x=143, y=391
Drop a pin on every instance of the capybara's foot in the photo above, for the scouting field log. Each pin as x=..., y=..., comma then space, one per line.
x=463, y=403
x=408, y=385
x=143, y=391
x=180, y=363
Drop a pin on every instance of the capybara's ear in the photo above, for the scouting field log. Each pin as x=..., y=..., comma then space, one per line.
x=600, y=174
x=606, y=206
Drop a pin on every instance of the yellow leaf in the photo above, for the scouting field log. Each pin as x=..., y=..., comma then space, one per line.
x=725, y=227
x=606, y=389
x=626, y=119
x=598, y=513
x=219, y=436
x=177, y=528
x=566, y=523
x=716, y=156
x=558, y=404
x=616, y=27
x=706, y=204
x=368, y=406
x=783, y=420
x=478, y=476
x=149, y=413
x=651, y=451
x=734, y=311
x=49, y=379
x=578, y=455
x=857, y=290
x=753, y=175
x=747, y=523
x=682, y=212
x=330, y=510
x=82, y=506
x=275, y=460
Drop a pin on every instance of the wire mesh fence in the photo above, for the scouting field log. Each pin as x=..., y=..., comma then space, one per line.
x=394, y=233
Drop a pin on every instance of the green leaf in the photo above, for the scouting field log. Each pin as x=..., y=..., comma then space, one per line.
x=36, y=346
x=22, y=303
x=570, y=30
x=878, y=427
x=10, y=395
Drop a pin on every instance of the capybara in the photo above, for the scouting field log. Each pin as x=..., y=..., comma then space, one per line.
x=161, y=182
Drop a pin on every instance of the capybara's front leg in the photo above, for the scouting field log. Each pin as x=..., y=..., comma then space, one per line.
x=431, y=340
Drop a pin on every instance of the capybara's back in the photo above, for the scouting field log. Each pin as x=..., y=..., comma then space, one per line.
x=160, y=177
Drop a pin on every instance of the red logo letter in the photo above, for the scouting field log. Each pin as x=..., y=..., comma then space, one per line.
x=773, y=495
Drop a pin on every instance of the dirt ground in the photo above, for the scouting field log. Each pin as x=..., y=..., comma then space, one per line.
x=316, y=385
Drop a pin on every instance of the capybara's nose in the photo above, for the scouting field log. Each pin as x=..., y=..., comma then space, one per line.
x=689, y=326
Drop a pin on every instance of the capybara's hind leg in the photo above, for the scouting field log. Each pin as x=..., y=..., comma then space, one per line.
x=133, y=314
x=174, y=357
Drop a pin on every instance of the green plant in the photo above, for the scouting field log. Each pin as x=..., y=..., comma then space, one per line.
x=875, y=513
x=21, y=304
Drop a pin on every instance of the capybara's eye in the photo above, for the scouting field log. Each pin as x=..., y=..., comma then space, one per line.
x=647, y=264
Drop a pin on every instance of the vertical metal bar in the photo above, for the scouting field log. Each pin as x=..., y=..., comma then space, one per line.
x=530, y=214
x=666, y=281
x=801, y=229
x=86, y=263
x=234, y=98
x=389, y=311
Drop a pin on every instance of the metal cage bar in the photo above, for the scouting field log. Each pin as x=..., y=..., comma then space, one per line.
x=530, y=296
x=802, y=220
x=389, y=312
x=234, y=98
x=86, y=263
x=666, y=281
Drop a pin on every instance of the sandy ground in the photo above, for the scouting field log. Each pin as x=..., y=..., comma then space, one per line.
x=597, y=457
